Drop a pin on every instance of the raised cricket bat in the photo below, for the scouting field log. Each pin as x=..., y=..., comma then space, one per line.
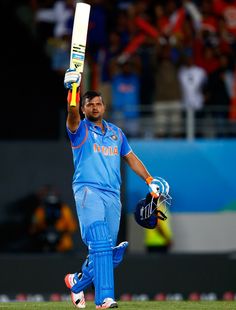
x=78, y=42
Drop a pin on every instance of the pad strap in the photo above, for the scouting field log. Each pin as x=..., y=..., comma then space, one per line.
x=83, y=279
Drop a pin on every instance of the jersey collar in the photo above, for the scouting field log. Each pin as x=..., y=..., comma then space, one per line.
x=96, y=128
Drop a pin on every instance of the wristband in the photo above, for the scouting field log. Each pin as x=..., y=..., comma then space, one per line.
x=149, y=180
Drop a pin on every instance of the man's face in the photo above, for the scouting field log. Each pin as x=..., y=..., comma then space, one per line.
x=94, y=109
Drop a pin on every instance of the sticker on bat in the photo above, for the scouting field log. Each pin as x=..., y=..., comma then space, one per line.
x=77, y=56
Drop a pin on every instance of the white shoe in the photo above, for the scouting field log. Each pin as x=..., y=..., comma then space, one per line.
x=107, y=303
x=78, y=299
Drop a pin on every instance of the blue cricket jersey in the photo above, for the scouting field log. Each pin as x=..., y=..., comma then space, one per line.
x=96, y=156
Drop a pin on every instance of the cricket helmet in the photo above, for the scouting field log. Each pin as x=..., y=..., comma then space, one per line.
x=149, y=210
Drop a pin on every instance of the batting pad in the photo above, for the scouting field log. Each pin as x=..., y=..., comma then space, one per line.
x=101, y=257
x=84, y=280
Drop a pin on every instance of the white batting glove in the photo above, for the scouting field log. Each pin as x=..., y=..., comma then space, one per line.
x=157, y=186
x=72, y=76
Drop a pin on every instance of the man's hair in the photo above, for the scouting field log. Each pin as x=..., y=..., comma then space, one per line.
x=90, y=94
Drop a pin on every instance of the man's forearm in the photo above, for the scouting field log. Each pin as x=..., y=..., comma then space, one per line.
x=137, y=166
x=73, y=116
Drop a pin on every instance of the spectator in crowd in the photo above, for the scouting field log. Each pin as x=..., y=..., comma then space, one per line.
x=108, y=66
x=167, y=104
x=206, y=55
x=227, y=10
x=122, y=25
x=218, y=95
x=125, y=98
x=97, y=34
x=59, y=14
x=209, y=21
x=192, y=79
x=226, y=40
x=127, y=29
x=171, y=22
x=97, y=38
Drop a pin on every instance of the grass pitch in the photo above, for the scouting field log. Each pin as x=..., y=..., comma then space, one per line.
x=130, y=305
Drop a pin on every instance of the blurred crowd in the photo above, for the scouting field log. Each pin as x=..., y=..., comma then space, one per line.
x=157, y=63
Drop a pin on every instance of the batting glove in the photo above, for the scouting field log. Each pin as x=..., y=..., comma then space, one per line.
x=157, y=186
x=72, y=76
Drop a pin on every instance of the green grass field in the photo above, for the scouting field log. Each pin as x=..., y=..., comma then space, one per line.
x=131, y=305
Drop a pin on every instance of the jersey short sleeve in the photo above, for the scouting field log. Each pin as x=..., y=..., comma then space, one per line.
x=79, y=135
x=125, y=147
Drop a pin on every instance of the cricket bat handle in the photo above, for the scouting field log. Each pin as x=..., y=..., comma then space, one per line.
x=73, y=95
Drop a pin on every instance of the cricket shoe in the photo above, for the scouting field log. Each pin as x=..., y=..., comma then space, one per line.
x=107, y=304
x=78, y=299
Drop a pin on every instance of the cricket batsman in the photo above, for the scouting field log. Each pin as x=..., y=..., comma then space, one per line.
x=97, y=148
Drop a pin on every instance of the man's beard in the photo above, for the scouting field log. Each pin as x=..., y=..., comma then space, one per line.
x=93, y=118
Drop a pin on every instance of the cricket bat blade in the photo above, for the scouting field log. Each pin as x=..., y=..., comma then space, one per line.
x=78, y=41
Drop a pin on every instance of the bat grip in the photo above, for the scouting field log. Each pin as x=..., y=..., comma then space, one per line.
x=73, y=95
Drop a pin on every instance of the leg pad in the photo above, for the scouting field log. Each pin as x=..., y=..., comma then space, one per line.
x=101, y=258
